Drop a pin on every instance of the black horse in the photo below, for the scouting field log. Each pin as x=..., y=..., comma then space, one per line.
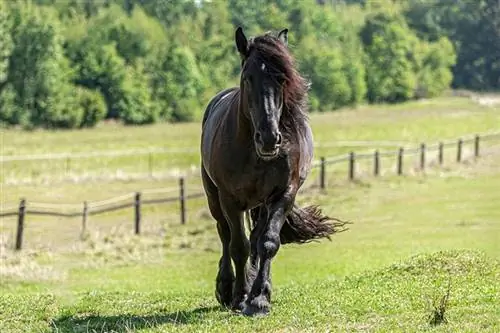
x=257, y=148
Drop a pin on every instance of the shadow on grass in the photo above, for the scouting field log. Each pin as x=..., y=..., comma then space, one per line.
x=127, y=322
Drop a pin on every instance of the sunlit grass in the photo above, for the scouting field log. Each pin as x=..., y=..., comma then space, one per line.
x=410, y=123
x=411, y=237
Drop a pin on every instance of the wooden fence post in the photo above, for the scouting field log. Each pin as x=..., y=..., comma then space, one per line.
x=422, y=156
x=150, y=164
x=440, y=153
x=85, y=214
x=68, y=165
x=376, y=163
x=137, y=213
x=182, y=200
x=459, y=150
x=476, y=146
x=20, y=224
x=322, y=167
x=352, y=159
x=400, y=161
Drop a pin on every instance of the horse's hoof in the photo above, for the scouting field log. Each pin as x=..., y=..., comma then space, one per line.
x=237, y=307
x=239, y=304
x=224, y=301
x=252, y=311
x=224, y=291
x=259, y=306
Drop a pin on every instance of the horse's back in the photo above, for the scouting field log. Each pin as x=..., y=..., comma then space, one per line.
x=212, y=104
x=214, y=114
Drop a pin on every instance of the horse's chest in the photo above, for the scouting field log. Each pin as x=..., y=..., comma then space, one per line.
x=255, y=182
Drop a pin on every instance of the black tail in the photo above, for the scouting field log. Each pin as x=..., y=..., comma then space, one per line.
x=306, y=224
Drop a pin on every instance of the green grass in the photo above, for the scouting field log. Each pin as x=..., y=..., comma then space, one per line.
x=411, y=236
x=429, y=121
x=396, y=298
x=412, y=122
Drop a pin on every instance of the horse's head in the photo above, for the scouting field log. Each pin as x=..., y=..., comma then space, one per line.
x=262, y=84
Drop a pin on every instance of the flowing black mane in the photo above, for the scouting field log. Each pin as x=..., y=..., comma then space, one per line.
x=279, y=62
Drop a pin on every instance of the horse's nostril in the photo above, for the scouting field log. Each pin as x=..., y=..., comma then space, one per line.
x=278, y=139
x=258, y=138
x=269, y=140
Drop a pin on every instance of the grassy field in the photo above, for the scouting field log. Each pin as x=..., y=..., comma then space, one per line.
x=411, y=123
x=103, y=178
x=412, y=238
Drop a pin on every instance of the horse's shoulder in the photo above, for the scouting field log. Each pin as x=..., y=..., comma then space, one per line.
x=216, y=99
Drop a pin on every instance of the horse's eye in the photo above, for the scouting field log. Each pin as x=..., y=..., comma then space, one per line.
x=281, y=79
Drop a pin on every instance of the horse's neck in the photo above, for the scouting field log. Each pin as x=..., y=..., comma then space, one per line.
x=243, y=126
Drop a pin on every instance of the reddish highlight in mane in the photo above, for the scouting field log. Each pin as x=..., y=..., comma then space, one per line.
x=279, y=60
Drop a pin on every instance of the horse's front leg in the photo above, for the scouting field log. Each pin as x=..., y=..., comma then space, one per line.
x=259, y=215
x=240, y=251
x=259, y=300
x=225, y=276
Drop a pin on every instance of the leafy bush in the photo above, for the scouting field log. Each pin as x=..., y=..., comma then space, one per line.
x=93, y=105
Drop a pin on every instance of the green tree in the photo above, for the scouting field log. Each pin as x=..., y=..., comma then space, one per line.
x=325, y=68
x=136, y=35
x=93, y=105
x=39, y=74
x=136, y=103
x=390, y=48
x=178, y=83
x=99, y=67
x=215, y=53
x=474, y=29
x=142, y=61
x=6, y=44
x=169, y=13
x=10, y=113
x=434, y=72
x=111, y=58
x=249, y=14
x=7, y=95
x=69, y=8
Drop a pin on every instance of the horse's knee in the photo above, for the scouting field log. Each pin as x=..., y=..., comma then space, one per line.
x=269, y=244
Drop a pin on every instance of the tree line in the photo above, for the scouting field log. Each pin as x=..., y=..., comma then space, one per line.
x=74, y=63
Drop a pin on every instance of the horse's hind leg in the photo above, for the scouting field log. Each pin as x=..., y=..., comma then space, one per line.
x=225, y=276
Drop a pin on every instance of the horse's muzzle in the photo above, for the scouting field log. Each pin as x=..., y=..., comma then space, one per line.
x=267, y=155
x=267, y=146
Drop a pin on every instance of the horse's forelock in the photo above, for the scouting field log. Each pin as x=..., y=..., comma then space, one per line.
x=277, y=57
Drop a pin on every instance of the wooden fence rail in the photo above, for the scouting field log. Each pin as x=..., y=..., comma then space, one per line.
x=137, y=201
x=67, y=161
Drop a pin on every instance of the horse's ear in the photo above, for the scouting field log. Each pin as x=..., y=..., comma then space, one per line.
x=283, y=36
x=241, y=42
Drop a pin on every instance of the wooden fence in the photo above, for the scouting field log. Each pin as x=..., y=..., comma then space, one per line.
x=137, y=200
x=65, y=162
